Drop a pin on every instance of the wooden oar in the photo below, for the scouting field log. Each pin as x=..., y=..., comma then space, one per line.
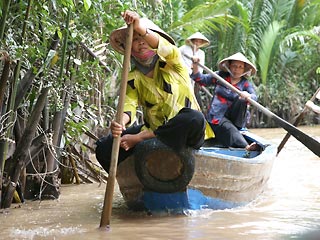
x=296, y=122
x=107, y=205
x=306, y=140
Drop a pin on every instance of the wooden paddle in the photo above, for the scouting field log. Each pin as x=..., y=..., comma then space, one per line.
x=306, y=140
x=107, y=205
x=296, y=122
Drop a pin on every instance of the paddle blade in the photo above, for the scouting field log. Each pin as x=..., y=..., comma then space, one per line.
x=305, y=139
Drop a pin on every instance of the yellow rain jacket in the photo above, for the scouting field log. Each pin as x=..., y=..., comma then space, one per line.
x=164, y=95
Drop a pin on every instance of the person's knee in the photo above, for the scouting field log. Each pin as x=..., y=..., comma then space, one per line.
x=197, y=126
x=194, y=116
x=198, y=120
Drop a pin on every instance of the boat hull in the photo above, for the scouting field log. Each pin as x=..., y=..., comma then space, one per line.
x=223, y=178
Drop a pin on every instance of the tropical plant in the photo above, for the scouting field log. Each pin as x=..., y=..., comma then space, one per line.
x=63, y=46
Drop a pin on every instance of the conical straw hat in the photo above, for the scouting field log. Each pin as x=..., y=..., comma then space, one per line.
x=118, y=36
x=224, y=64
x=198, y=35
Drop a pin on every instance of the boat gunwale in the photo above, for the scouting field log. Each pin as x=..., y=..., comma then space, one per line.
x=270, y=150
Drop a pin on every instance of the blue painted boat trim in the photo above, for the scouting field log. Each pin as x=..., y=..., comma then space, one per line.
x=191, y=199
x=227, y=152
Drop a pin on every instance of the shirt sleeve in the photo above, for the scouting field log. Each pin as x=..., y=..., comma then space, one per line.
x=201, y=58
x=250, y=89
x=169, y=53
x=203, y=79
x=184, y=49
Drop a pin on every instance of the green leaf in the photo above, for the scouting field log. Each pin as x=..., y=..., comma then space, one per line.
x=267, y=43
x=87, y=4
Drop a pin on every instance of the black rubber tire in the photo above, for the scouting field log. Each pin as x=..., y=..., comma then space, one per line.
x=153, y=147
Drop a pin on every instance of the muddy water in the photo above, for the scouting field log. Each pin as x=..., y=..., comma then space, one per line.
x=288, y=209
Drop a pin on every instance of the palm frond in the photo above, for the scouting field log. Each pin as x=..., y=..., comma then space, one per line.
x=205, y=17
x=287, y=10
x=267, y=43
x=311, y=13
x=260, y=18
x=301, y=37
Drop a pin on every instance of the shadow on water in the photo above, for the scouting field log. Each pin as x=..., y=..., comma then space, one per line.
x=289, y=209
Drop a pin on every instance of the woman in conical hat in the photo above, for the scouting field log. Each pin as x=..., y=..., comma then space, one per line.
x=228, y=111
x=192, y=48
x=202, y=41
x=249, y=68
x=159, y=83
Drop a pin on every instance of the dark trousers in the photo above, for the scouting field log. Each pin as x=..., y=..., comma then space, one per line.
x=186, y=129
x=227, y=131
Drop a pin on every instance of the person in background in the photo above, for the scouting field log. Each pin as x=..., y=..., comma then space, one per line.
x=192, y=48
x=228, y=110
x=158, y=82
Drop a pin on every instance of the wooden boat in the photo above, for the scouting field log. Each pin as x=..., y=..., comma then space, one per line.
x=158, y=179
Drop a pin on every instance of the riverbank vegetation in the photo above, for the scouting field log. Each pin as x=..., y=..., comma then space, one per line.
x=59, y=76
